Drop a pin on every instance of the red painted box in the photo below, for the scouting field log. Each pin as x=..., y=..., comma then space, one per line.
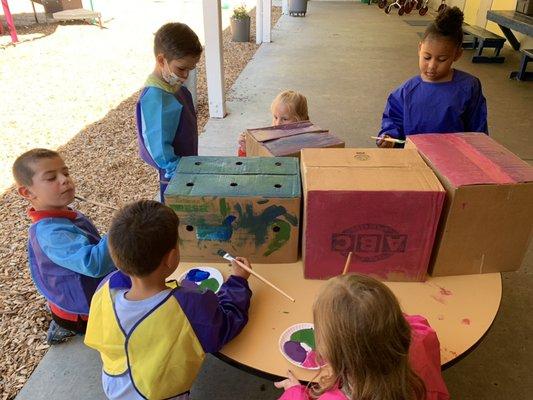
x=487, y=220
x=381, y=204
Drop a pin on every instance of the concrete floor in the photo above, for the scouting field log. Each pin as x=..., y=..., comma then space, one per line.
x=346, y=58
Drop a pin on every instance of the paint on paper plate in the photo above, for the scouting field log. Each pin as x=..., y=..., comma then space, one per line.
x=297, y=344
x=204, y=278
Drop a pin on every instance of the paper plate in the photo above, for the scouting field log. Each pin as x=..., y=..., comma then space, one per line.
x=297, y=344
x=204, y=277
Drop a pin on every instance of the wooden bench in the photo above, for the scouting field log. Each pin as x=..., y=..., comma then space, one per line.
x=522, y=74
x=485, y=39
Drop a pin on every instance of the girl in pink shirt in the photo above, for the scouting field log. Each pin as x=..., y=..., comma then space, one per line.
x=373, y=351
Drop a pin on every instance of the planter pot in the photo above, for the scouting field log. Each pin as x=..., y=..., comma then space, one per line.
x=240, y=29
x=297, y=7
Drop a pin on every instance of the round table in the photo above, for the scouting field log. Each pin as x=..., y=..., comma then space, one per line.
x=461, y=309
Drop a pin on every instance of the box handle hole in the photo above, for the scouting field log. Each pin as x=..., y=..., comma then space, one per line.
x=233, y=184
x=238, y=163
x=277, y=164
x=276, y=228
x=190, y=184
x=277, y=185
x=197, y=163
x=190, y=228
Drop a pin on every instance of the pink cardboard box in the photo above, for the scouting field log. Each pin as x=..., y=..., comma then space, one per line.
x=488, y=215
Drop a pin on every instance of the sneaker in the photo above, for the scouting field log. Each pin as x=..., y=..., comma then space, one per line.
x=57, y=334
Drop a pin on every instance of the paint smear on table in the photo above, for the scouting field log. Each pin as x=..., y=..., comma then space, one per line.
x=439, y=299
x=465, y=321
x=440, y=317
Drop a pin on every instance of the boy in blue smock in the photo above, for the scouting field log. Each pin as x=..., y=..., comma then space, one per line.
x=166, y=118
x=67, y=256
x=441, y=99
x=153, y=336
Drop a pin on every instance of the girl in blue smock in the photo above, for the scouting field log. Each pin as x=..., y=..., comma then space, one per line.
x=441, y=99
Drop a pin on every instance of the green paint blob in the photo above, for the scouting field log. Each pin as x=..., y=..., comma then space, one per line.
x=306, y=336
x=224, y=208
x=209, y=284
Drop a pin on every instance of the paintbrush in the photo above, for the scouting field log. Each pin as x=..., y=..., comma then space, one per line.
x=347, y=265
x=94, y=202
x=388, y=139
x=230, y=258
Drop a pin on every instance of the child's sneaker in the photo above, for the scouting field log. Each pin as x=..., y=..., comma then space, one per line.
x=57, y=334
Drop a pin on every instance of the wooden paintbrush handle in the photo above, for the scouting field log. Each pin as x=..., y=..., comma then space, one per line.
x=251, y=271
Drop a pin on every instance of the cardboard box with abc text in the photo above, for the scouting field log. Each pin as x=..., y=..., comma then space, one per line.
x=381, y=204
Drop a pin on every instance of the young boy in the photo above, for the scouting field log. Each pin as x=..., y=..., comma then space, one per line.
x=166, y=118
x=153, y=338
x=67, y=257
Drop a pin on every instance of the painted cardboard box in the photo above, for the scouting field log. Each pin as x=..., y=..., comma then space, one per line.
x=287, y=140
x=249, y=207
x=383, y=205
x=487, y=220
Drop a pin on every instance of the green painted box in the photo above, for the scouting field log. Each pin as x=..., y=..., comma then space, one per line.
x=249, y=207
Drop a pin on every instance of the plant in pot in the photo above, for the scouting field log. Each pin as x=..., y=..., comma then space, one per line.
x=240, y=25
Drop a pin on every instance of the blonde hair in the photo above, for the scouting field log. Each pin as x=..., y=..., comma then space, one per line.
x=362, y=334
x=295, y=102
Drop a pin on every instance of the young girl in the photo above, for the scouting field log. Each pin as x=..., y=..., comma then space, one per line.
x=441, y=99
x=288, y=106
x=372, y=350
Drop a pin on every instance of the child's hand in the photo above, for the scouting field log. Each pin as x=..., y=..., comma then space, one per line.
x=287, y=383
x=384, y=144
x=238, y=271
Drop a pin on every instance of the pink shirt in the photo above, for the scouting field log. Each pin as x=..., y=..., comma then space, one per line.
x=424, y=355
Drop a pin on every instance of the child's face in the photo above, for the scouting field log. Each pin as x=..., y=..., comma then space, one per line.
x=281, y=115
x=435, y=59
x=52, y=187
x=178, y=66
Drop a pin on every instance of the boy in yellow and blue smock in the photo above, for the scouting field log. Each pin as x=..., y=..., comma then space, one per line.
x=153, y=338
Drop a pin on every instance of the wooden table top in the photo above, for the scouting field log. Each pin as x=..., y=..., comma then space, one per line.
x=461, y=309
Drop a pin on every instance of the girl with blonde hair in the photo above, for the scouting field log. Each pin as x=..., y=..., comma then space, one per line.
x=373, y=351
x=288, y=106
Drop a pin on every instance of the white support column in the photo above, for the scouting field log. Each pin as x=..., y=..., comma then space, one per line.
x=267, y=20
x=214, y=61
x=259, y=22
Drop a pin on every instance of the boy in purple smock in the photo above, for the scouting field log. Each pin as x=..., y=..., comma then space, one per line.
x=166, y=118
x=441, y=99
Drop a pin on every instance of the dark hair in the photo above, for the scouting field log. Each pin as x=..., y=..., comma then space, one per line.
x=22, y=171
x=448, y=25
x=176, y=40
x=141, y=234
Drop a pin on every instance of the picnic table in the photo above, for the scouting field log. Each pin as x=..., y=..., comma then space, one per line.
x=509, y=21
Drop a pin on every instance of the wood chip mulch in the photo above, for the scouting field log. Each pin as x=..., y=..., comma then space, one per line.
x=104, y=163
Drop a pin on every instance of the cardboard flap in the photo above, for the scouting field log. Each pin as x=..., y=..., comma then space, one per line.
x=275, y=132
x=362, y=158
x=220, y=165
x=472, y=159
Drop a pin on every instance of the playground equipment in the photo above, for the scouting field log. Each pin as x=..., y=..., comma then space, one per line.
x=406, y=6
x=10, y=23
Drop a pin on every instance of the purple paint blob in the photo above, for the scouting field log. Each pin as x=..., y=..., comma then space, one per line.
x=188, y=284
x=295, y=351
x=197, y=275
